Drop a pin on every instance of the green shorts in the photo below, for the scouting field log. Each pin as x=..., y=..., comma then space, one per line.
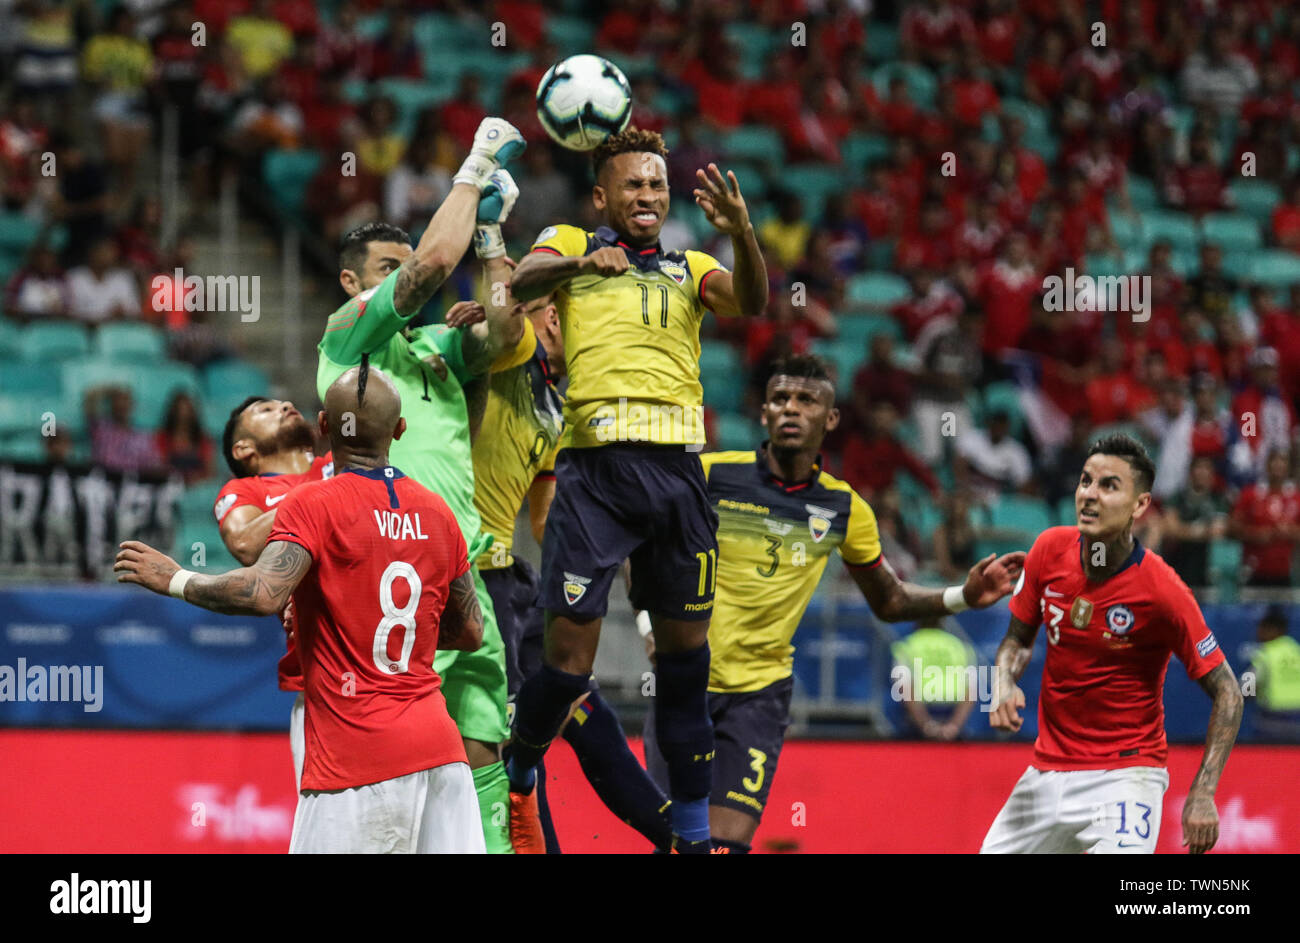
x=474, y=683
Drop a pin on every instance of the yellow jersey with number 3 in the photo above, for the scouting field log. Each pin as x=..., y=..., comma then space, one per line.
x=774, y=538
x=631, y=342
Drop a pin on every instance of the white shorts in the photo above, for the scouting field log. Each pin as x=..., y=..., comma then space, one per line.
x=298, y=736
x=431, y=812
x=1091, y=811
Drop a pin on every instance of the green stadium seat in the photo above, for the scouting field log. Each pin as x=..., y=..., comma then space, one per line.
x=860, y=151
x=1225, y=566
x=571, y=34
x=372, y=26
x=1255, y=198
x=922, y=86
x=880, y=253
x=752, y=182
x=153, y=390
x=414, y=95
x=1238, y=265
x=286, y=175
x=10, y=340
x=1142, y=193
x=21, y=413
x=927, y=515
x=857, y=330
x=17, y=232
x=1028, y=515
x=196, y=502
x=444, y=32
x=815, y=184
x=228, y=383
x=736, y=432
x=1005, y=397
x=754, y=142
x=125, y=340
x=1275, y=267
x=1036, y=119
x=882, y=41
x=722, y=375
x=1179, y=229
x=1044, y=144
x=752, y=41
x=877, y=289
x=845, y=358
x=1127, y=230
x=1065, y=511
x=1232, y=231
x=53, y=340
x=1109, y=263
x=25, y=446
x=38, y=379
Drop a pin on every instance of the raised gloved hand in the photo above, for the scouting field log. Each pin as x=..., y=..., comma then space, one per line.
x=494, y=206
x=496, y=143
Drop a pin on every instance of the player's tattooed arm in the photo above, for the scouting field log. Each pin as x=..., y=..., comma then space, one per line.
x=1014, y=652
x=1200, y=817
x=440, y=250
x=258, y=590
x=461, y=628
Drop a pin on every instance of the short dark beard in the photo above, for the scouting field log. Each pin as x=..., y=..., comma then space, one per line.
x=295, y=438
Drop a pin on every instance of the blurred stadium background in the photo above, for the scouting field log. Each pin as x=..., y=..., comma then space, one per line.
x=914, y=171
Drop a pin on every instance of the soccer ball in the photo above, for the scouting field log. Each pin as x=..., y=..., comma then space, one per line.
x=582, y=100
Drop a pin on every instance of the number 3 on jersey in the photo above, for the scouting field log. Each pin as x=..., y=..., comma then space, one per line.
x=394, y=617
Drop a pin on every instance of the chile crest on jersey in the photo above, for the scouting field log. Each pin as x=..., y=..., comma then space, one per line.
x=1119, y=620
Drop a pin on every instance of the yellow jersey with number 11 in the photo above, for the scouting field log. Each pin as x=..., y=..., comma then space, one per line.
x=631, y=342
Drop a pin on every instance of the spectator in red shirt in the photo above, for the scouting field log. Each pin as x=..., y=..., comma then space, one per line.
x=932, y=31
x=340, y=45
x=877, y=207
x=1286, y=218
x=1198, y=186
x=526, y=19
x=1266, y=519
x=973, y=94
x=999, y=33
x=462, y=115
x=872, y=460
x=1115, y=395
x=882, y=380
x=932, y=298
x=1209, y=421
x=929, y=246
x=979, y=236
x=720, y=94
x=1045, y=71
x=395, y=53
x=1006, y=290
x=1267, y=420
x=299, y=15
x=898, y=113
x=328, y=119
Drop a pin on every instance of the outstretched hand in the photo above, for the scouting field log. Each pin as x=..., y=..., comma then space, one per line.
x=139, y=563
x=990, y=579
x=721, y=201
x=465, y=313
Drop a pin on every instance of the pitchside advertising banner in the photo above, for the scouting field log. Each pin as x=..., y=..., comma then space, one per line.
x=118, y=791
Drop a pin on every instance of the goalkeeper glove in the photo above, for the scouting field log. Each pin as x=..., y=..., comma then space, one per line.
x=494, y=206
x=496, y=143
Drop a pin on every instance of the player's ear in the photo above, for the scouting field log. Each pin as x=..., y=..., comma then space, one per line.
x=552, y=317
x=1143, y=502
x=598, y=196
x=323, y=424
x=400, y=428
x=832, y=419
x=350, y=281
x=242, y=450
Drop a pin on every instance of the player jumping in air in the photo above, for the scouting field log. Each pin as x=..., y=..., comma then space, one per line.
x=780, y=519
x=627, y=482
x=1114, y=612
x=379, y=575
x=268, y=446
x=387, y=284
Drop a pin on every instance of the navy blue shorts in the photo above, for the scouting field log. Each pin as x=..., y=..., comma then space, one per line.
x=646, y=503
x=748, y=733
x=514, y=597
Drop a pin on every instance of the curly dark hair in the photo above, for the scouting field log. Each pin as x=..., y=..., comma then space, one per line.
x=1124, y=446
x=628, y=140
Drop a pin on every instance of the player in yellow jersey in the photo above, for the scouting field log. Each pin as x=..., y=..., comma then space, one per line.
x=628, y=482
x=780, y=519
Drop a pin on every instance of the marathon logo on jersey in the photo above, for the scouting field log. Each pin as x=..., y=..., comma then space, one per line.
x=1119, y=619
x=224, y=505
x=674, y=271
x=819, y=521
x=575, y=587
x=1207, y=645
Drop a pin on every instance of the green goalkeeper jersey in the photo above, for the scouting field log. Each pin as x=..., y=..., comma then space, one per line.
x=428, y=369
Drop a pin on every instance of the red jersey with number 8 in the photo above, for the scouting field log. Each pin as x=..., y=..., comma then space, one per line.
x=385, y=551
x=1101, y=705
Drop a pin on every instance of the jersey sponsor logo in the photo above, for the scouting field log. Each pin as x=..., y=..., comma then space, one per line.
x=575, y=587
x=224, y=505
x=1207, y=645
x=1048, y=591
x=547, y=233
x=673, y=270
x=1119, y=619
x=1081, y=613
x=780, y=528
x=272, y=502
x=819, y=521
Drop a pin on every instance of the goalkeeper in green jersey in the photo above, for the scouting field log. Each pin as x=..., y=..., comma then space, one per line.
x=387, y=284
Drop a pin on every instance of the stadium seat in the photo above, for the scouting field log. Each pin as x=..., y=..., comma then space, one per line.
x=25, y=446
x=857, y=330
x=1036, y=119
x=1255, y=198
x=860, y=151
x=372, y=25
x=286, y=175
x=21, y=413
x=1065, y=511
x=815, y=183
x=17, y=232
x=1004, y=396
x=36, y=379
x=877, y=289
x=737, y=432
x=10, y=340
x=1179, y=229
x=1018, y=512
x=1127, y=230
x=1098, y=264
x=125, y=340
x=55, y=340
x=1275, y=267
x=414, y=95
x=441, y=32
x=922, y=85
x=199, y=547
x=1142, y=193
x=227, y=383
x=1225, y=566
x=845, y=358
x=752, y=41
x=754, y=142
x=752, y=184
x=722, y=375
x=1232, y=231
x=571, y=34
x=154, y=388
x=1238, y=265
x=882, y=41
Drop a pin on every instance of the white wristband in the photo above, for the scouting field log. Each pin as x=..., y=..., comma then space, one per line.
x=177, y=586
x=488, y=243
x=643, y=625
x=954, y=599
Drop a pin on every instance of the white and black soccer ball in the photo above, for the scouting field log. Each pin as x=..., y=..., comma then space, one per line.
x=582, y=100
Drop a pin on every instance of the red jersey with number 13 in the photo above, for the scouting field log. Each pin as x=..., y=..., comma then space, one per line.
x=1101, y=705
x=385, y=551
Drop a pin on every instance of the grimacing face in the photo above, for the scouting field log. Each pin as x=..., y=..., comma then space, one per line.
x=633, y=194
x=798, y=412
x=1107, y=498
x=271, y=425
